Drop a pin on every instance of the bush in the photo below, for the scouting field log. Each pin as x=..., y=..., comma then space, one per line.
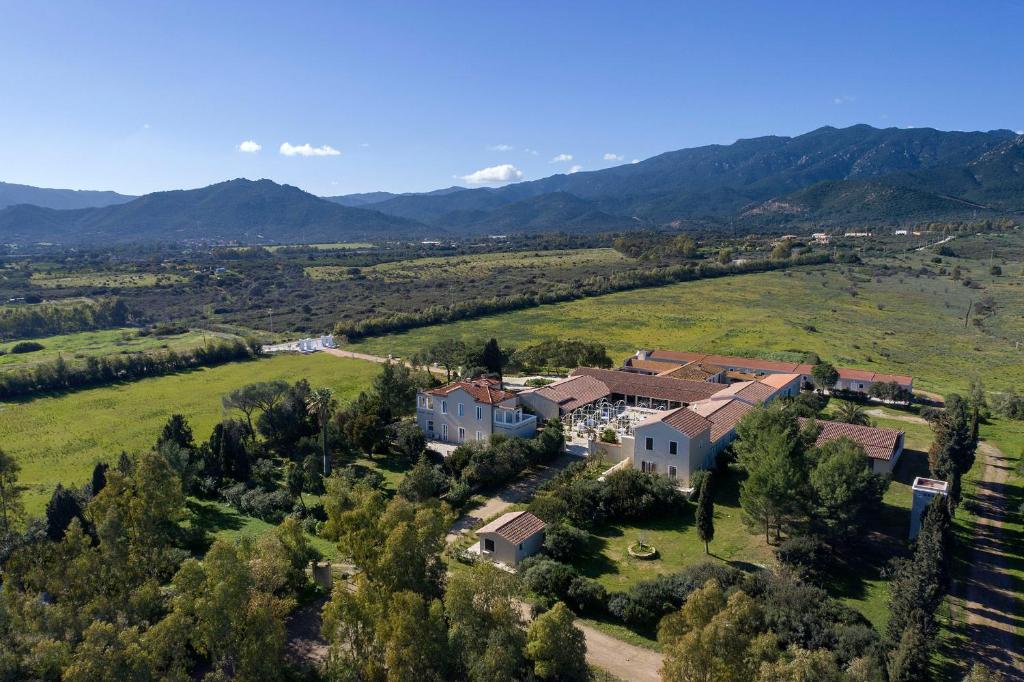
x=609, y=436
x=549, y=578
x=807, y=556
x=647, y=601
x=588, y=596
x=563, y=542
x=26, y=347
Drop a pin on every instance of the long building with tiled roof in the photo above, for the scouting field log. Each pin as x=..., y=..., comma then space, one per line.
x=882, y=446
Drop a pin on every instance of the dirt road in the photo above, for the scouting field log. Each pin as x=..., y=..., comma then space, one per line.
x=993, y=610
x=622, y=659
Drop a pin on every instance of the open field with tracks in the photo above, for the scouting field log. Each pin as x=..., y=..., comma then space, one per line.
x=58, y=439
x=897, y=315
x=78, y=346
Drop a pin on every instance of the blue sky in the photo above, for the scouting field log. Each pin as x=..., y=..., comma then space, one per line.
x=145, y=96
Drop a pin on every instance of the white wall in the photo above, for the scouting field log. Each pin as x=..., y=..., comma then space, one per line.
x=691, y=454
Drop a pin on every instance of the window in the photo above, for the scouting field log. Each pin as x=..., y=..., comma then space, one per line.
x=649, y=443
x=462, y=409
x=648, y=467
x=479, y=436
x=671, y=472
x=444, y=432
x=430, y=426
x=488, y=545
x=673, y=447
x=444, y=407
x=462, y=434
x=479, y=413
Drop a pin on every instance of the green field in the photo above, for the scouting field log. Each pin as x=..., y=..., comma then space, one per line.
x=447, y=267
x=54, y=280
x=322, y=247
x=58, y=439
x=860, y=316
x=78, y=346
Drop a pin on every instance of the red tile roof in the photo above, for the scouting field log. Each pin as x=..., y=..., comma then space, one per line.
x=682, y=419
x=877, y=443
x=652, y=366
x=723, y=414
x=483, y=390
x=514, y=526
x=573, y=392
x=647, y=386
x=694, y=371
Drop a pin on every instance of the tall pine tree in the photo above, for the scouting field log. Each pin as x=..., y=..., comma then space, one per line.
x=706, y=512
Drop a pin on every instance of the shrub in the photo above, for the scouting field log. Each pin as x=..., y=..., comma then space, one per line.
x=807, y=556
x=586, y=595
x=647, y=601
x=549, y=578
x=609, y=436
x=563, y=542
x=26, y=347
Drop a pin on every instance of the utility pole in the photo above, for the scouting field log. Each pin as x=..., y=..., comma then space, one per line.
x=270, y=312
x=968, y=316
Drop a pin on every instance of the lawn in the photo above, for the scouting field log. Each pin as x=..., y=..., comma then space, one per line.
x=444, y=267
x=222, y=521
x=76, y=347
x=891, y=320
x=58, y=439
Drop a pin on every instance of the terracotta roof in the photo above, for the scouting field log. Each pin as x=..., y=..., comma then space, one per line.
x=652, y=366
x=750, y=391
x=659, y=388
x=779, y=380
x=682, y=419
x=483, y=390
x=514, y=526
x=758, y=364
x=877, y=443
x=695, y=371
x=723, y=414
x=573, y=392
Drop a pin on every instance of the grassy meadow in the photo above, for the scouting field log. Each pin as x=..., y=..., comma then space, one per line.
x=58, y=439
x=55, y=280
x=447, y=267
x=903, y=318
x=80, y=345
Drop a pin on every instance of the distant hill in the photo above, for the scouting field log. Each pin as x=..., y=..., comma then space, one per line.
x=11, y=194
x=830, y=176
x=238, y=210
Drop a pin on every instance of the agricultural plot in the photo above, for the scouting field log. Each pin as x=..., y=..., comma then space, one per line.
x=893, y=315
x=105, y=279
x=58, y=439
x=77, y=347
x=482, y=265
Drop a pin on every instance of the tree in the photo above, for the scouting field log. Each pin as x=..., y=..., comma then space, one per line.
x=264, y=395
x=685, y=246
x=909, y=661
x=782, y=250
x=952, y=452
x=846, y=492
x=706, y=512
x=771, y=447
x=11, y=509
x=850, y=412
x=494, y=359
x=423, y=482
x=321, y=404
x=415, y=639
x=178, y=432
x=407, y=440
x=825, y=375
x=449, y=353
x=556, y=646
x=395, y=391
x=62, y=508
x=99, y=478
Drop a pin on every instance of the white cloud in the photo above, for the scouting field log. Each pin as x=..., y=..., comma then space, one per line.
x=635, y=161
x=249, y=147
x=505, y=172
x=843, y=99
x=561, y=158
x=608, y=156
x=534, y=152
x=575, y=169
x=364, y=144
x=307, y=150
x=145, y=126
x=500, y=148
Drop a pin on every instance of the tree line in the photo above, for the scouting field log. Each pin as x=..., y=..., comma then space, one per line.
x=46, y=319
x=591, y=286
x=59, y=375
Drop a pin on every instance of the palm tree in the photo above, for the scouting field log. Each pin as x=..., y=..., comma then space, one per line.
x=851, y=413
x=321, y=403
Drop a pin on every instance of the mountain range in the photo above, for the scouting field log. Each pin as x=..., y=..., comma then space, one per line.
x=827, y=177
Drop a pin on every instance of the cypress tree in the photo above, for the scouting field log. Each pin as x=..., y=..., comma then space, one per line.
x=706, y=512
x=60, y=510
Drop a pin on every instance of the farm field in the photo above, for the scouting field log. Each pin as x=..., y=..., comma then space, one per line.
x=105, y=279
x=78, y=346
x=883, y=315
x=448, y=267
x=58, y=439
x=321, y=247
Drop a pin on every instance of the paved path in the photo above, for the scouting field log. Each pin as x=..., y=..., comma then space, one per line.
x=517, y=491
x=337, y=352
x=993, y=609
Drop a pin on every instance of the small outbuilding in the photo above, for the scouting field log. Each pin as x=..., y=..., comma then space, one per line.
x=511, y=537
x=925, y=490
